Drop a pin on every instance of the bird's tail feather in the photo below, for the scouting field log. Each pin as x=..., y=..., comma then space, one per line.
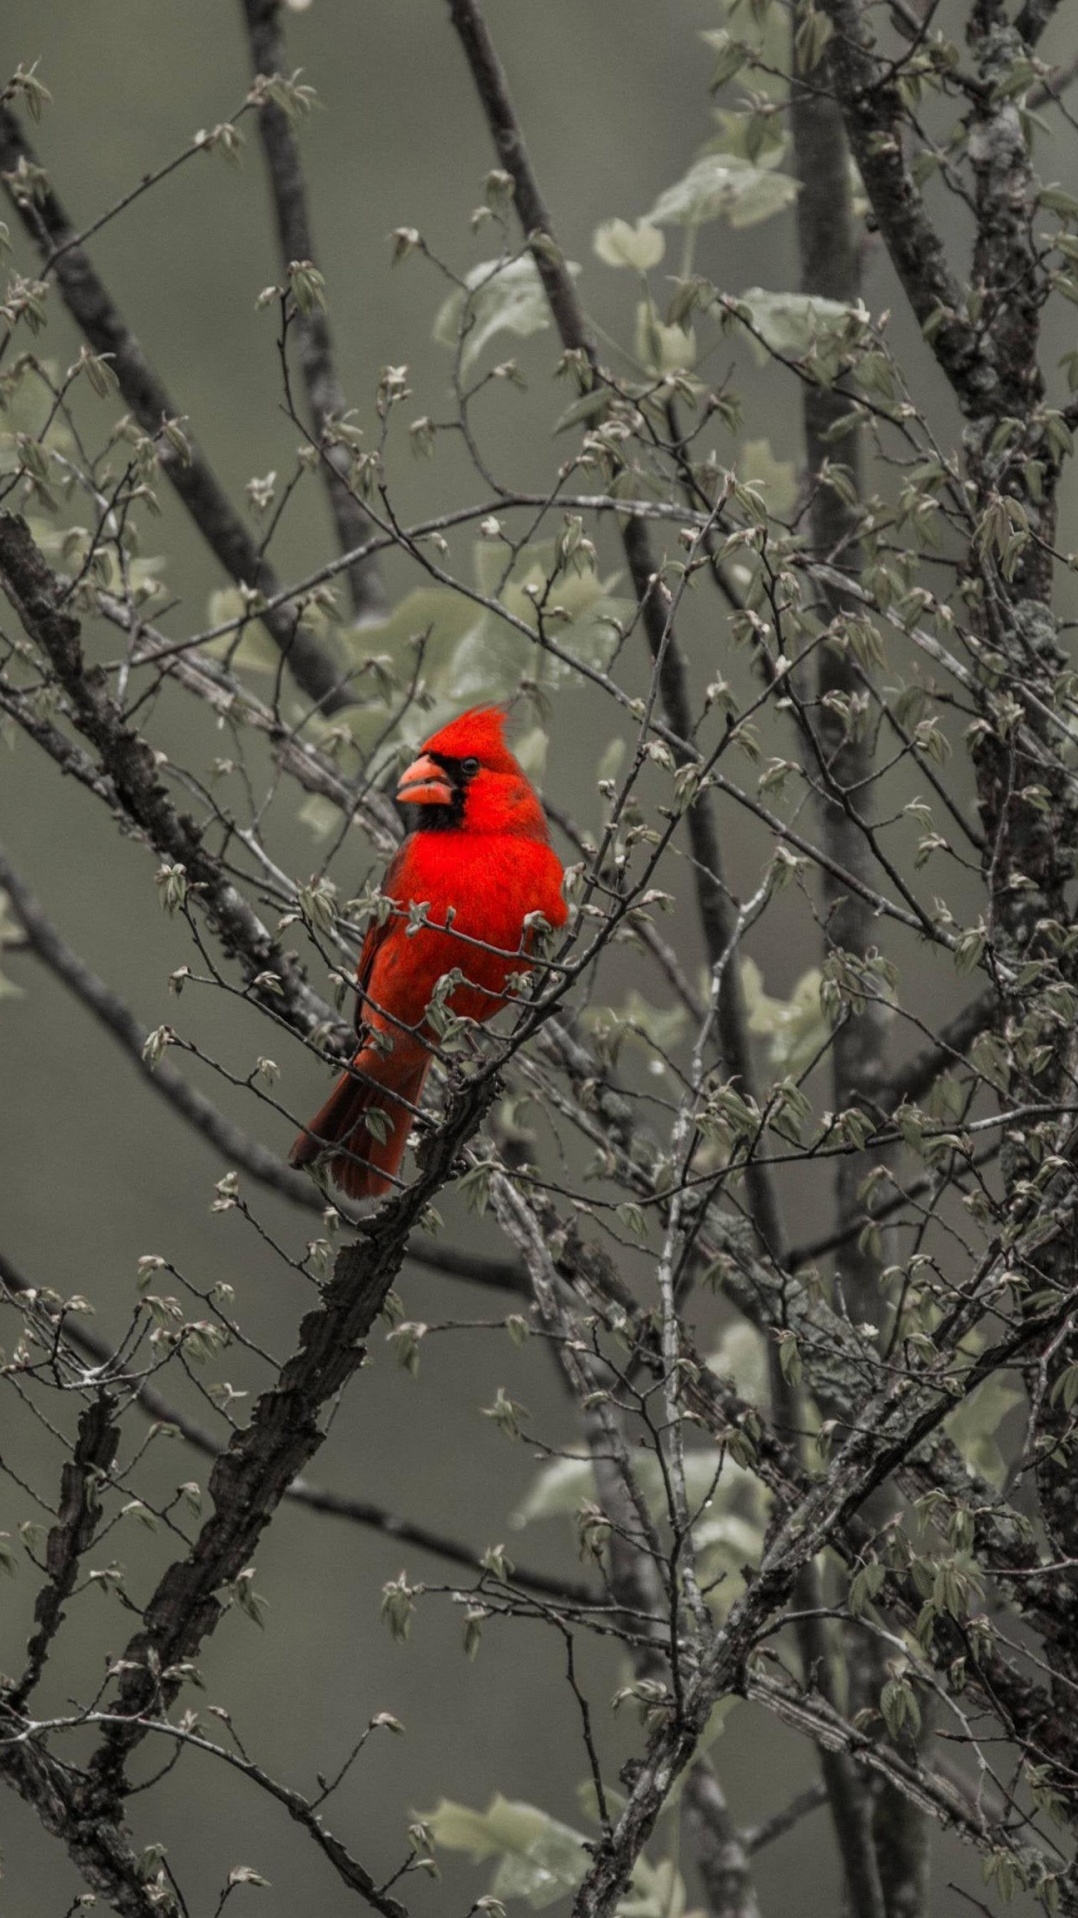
x=365, y=1163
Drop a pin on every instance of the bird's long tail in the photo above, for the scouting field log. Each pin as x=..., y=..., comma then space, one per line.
x=367, y=1158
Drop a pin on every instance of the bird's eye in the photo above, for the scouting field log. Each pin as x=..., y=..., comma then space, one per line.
x=469, y=767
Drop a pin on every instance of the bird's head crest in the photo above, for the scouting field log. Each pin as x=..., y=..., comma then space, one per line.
x=477, y=734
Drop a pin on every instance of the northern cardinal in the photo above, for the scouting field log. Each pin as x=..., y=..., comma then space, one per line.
x=479, y=860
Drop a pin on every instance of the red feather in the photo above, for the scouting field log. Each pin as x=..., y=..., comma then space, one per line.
x=480, y=861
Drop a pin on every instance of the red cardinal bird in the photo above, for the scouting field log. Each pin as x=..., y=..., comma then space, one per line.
x=480, y=859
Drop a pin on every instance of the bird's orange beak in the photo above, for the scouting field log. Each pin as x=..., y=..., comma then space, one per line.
x=425, y=783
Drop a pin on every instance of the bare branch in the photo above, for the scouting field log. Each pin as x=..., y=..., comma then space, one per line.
x=250, y=1479
x=301, y=1491
x=72, y=1535
x=493, y=89
x=721, y=1851
x=757, y=1837
x=98, y=1848
x=325, y=396
x=229, y=1139
x=95, y=312
x=716, y=919
x=129, y=762
x=872, y=112
x=912, y=1080
x=894, y=1424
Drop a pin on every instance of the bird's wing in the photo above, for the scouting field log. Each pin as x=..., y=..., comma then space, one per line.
x=377, y=934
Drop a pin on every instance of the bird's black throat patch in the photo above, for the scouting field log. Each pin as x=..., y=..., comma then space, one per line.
x=428, y=818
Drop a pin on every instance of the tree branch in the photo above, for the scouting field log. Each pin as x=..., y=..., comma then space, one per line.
x=250, y=1479
x=72, y=1535
x=100, y=1850
x=229, y=1139
x=871, y=109
x=274, y=980
x=716, y=918
x=493, y=88
x=316, y=1498
x=722, y=1853
x=892, y=1426
x=88, y=301
x=830, y=269
x=912, y=1080
x=325, y=396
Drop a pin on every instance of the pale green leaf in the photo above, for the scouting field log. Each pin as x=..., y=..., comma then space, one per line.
x=557, y=1491
x=459, y=1828
x=662, y=348
x=619, y=244
x=610, y=759
x=498, y=296
x=437, y=612
x=764, y=28
x=562, y=1486
x=724, y=186
x=582, y=614
x=255, y=649
x=749, y=134
x=974, y=1426
x=320, y=815
x=777, y=479
x=795, y=1028
x=657, y=1027
x=741, y=1355
x=530, y=749
x=793, y=324
x=541, y=1859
